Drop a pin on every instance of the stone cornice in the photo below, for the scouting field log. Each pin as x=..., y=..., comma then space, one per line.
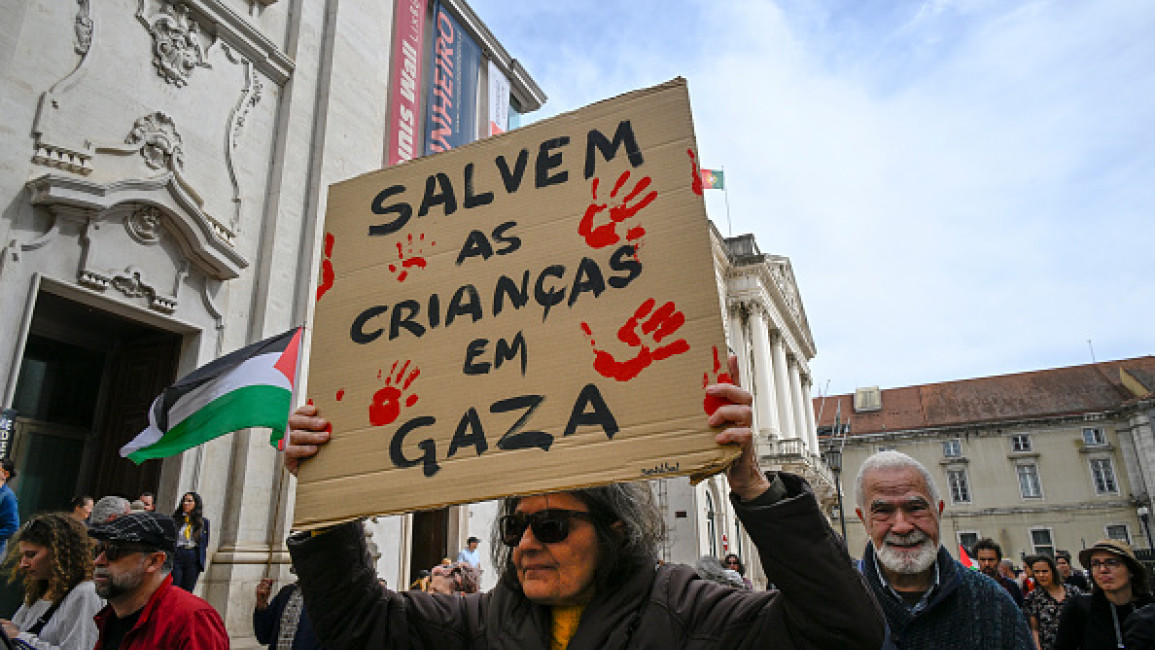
x=242, y=36
x=529, y=95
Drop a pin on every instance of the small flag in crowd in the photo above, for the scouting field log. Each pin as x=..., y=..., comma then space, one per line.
x=966, y=560
x=252, y=387
x=712, y=179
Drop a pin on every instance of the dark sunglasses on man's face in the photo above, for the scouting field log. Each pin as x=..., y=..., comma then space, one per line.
x=549, y=526
x=114, y=550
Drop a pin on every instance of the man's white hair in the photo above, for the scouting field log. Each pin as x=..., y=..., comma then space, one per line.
x=109, y=507
x=891, y=459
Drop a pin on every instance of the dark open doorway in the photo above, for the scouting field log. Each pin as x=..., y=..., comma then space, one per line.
x=87, y=378
x=430, y=540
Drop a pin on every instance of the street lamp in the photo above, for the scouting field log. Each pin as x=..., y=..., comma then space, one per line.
x=834, y=462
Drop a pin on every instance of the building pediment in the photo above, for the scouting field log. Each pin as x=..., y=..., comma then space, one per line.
x=203, y=241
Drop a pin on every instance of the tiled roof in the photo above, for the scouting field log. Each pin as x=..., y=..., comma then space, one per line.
x=1043, y=393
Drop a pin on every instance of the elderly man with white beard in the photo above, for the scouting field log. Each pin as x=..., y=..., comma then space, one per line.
x=930, y=600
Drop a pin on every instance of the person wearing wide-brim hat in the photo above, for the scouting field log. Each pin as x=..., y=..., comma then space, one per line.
x=1120, y=585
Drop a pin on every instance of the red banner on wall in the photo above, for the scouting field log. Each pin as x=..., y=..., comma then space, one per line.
x=405, y=80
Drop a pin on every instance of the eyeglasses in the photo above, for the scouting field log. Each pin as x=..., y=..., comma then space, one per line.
x=1109, y=563
x=733, y=563
x=549, y=526
x=114, y=551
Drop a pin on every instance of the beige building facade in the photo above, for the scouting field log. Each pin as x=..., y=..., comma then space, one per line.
x=1038, y=461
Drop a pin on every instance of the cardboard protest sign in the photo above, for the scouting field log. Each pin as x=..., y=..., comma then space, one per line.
x=532, y=312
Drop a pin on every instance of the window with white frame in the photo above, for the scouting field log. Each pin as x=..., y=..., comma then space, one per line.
x=1021, y=442
x=1103, y=476
x=1119, y=532
x=952, y=448
x=1029, y=485
x=960, y=489
x=967, y=539
x=1042, y=542
x=1094, y=437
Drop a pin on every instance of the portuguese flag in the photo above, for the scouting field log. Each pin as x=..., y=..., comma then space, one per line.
x=252, y=387
x=712, y=179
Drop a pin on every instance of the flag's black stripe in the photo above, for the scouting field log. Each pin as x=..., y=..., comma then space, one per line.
x=214, y=369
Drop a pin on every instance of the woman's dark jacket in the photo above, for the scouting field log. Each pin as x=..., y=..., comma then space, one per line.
x=821, y=601
x=1087, y=624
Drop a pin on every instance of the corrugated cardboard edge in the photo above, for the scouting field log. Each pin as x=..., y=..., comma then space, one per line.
x=696, y=476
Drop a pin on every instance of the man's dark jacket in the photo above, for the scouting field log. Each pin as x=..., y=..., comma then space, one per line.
x=967, y=611
x=822, y=602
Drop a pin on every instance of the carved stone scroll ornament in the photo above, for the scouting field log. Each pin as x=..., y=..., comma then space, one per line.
x=158, y=140
x=83, y=27
x=177, y=48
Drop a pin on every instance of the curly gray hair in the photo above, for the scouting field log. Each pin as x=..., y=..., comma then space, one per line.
x=629, y=528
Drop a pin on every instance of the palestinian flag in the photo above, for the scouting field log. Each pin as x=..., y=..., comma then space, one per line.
x=712, y=179
x=966, y=560
x=252, y=387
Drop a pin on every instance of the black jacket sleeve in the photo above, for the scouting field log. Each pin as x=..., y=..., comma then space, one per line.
x=266, y=621
x=823, y=601
x=350, y=609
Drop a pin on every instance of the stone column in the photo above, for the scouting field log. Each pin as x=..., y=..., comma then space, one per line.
x=799, y=404
x=735, y=327
x=808, y=407
x=782, y=386
x=765, y=404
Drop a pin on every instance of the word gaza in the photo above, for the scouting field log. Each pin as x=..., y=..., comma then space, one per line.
x=589, y=410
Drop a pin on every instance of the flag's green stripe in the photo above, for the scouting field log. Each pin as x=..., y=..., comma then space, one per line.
x=248, y=406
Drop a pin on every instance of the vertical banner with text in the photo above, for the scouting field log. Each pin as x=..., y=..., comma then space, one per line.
x=532, y=312
x=498, y=100
x=405, y=80
x=451, y=117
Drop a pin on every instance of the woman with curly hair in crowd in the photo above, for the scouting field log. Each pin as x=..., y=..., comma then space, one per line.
x=53, y=557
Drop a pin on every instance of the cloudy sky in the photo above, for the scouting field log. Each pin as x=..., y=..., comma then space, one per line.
x=964, y=187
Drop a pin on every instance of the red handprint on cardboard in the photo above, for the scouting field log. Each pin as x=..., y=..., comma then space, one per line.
x=327, y=274
x=606, y=233
x=386, y=405
x=711, y=403
x=658, y=325
x=695, y=173
x=409, y=255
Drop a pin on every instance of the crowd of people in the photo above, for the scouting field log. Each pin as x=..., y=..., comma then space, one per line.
x=579, y=569
x=101, y=575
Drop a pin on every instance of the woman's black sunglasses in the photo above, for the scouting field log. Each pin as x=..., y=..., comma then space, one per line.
x=549, y=526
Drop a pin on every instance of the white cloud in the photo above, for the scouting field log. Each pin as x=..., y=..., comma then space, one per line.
x=964, y=188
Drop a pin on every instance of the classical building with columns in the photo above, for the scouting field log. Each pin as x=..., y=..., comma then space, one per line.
x=767, y=329
x=162, y=167
x=1039, y=461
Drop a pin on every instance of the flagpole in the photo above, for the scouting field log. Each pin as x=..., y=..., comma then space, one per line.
x=726, y=195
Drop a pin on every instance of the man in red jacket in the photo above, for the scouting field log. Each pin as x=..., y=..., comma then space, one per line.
x=133, y=557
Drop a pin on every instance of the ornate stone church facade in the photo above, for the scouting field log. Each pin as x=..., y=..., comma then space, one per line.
x=164, y=164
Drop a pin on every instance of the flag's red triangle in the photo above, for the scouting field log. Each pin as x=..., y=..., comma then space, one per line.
x=287, y=364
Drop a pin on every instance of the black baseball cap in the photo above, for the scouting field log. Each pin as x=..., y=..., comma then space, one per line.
x=147, y=528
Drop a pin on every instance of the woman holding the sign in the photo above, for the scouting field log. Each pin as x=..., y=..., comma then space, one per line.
x=578, y=569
